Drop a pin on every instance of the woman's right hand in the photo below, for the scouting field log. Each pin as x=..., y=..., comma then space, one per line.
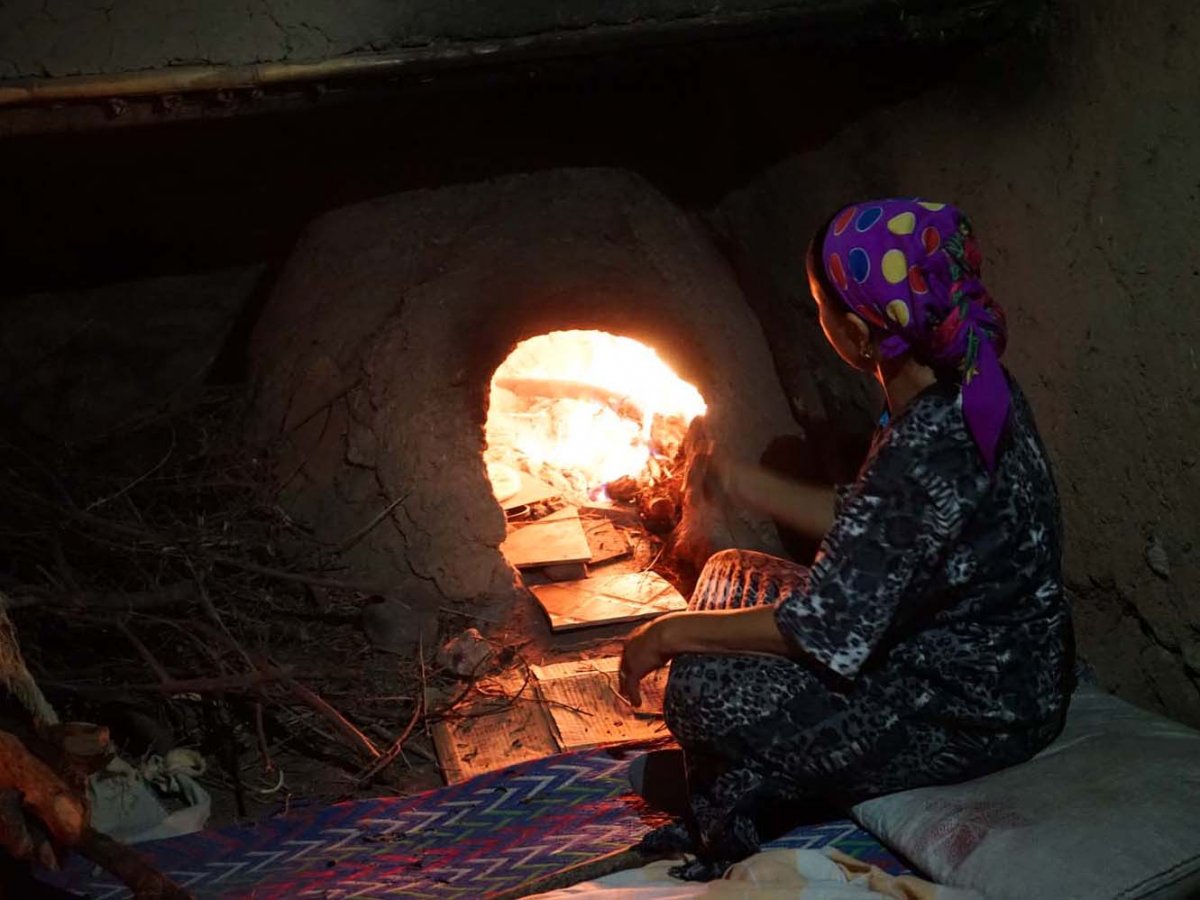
x=808, y=508
x=645, y=651
x=713, y=471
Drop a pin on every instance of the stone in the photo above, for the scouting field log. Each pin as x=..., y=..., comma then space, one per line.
x=393, y=625
x=465, y=654
x=1157, y=559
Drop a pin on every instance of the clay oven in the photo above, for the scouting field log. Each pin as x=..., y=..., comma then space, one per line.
x=396, y=350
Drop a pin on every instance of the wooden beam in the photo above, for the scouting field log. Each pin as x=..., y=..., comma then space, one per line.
x=828, y=22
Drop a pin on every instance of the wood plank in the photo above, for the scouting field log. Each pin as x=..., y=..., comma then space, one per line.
x=557, y=538
x=607, y=599
x=506, y=481
x=565, y=572
x=532, y=490
x=620, y=515
x=606, y=539
x=490, y=734
x=586, y=711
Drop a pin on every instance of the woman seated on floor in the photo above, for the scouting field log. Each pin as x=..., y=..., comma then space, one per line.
x=930, y=642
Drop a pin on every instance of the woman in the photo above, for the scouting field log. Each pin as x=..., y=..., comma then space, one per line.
x=930, y=642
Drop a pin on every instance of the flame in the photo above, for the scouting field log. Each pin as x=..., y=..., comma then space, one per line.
x=580, y=409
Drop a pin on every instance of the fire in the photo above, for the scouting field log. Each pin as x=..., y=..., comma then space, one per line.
x=581, y=409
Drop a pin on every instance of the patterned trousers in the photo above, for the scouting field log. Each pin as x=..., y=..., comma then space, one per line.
x=761, y=732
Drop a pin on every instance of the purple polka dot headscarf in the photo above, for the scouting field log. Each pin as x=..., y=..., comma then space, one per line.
x=910, y=269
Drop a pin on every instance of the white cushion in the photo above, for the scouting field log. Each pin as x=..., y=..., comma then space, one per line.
x=1111, y=809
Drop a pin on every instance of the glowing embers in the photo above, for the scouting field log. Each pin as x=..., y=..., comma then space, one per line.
x=577, y=411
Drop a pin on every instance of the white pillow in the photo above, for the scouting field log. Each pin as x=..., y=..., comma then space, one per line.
x=1111, y=809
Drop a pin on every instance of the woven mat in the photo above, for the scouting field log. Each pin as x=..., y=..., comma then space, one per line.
x=490, y=833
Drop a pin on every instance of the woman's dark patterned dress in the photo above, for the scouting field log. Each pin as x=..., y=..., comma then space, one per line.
x=933, y=642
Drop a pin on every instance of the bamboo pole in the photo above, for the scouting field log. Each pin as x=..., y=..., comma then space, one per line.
x=827, y=22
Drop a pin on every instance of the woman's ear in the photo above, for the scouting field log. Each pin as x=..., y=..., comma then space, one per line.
x=858, y=328
x=863, y=340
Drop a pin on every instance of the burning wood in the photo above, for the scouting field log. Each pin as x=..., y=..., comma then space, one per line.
x=555, y=389
x=593, y=415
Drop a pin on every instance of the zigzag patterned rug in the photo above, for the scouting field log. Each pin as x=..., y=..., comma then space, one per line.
x=490, y=833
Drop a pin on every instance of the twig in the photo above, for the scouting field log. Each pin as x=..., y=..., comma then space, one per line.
x=370, y=526
x=275, y=788
x=428, y=755
x=410, y=746
x=297, y=577
x=220, y=684
x=64, y=496
x=211, y=610
x=300, y=467
x=142, y=534
x=190, y=634
x=60, y=562
x=259, y=728
x=307, y=721
x=144, y=652
x=229, y=753
x=425, y=696
x=466, y=690
x=149, y=548
x=260, y=732
x=320, y=705
x=469, y=615
x=558, y=703
x=328, y=404
x=217, y=685
x=176, y=594
x=397, y=746
x=95, y=504
x=138, y=875
x=335, y=718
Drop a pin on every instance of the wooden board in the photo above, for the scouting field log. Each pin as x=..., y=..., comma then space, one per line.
x=557, y=538
x=620, y=515
x=606, y=539
x=565, y=572
x=586, y=711
x=606, y=599
x=506, y=481
x=509, y=718
x=490, y=733
x=532, y=490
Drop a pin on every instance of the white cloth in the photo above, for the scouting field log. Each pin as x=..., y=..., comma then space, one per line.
x=127, y=803
x=771, y=874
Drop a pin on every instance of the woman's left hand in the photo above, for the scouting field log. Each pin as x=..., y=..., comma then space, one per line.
x=645, y=650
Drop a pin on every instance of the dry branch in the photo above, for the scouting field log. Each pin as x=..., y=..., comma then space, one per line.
x=15, y=838
x=395, y=750
x=219, y=684
x=144, y=652
x=359, y=740
x=26, y=780
x=353, y=539
x=44, y=792
x=171, y=540
x=298, y=577
x=146, y=882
